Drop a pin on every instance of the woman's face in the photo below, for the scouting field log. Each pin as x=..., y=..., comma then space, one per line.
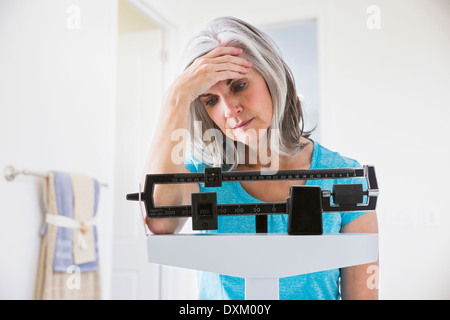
x=241, y=108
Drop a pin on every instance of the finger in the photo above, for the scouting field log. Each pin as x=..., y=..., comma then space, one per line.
x=220, y=51
x=228, y=66
x=226, y=75
x=231, y=59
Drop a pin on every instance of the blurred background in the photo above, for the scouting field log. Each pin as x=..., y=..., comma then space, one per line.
x=81, y=84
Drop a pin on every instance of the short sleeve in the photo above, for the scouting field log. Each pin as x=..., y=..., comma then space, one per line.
x=190, y=165
x=193, y=165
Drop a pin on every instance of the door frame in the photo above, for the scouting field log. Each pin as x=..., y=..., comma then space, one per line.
x=172, y=283
x=159, y=16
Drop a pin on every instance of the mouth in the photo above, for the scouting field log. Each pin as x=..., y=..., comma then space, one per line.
x=243, y=124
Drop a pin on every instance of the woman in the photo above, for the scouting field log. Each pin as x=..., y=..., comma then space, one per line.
x=238, y=89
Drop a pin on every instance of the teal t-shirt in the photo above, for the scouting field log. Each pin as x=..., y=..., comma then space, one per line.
x=322, y=285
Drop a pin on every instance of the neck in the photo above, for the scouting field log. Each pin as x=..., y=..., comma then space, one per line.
x=266, y=159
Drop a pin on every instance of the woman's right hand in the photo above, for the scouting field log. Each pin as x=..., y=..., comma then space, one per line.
x=221, y=63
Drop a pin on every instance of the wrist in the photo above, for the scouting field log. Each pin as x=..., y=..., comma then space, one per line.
x=175, y=110
x=176, y=97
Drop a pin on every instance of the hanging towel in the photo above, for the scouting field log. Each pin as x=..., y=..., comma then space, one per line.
x=84, y=204
x=76, y=241
x=64, y=202
x=71, y=283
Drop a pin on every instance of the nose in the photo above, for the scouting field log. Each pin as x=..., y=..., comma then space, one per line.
x=231, y=107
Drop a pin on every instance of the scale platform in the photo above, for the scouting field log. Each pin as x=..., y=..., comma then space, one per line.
x=262, y=258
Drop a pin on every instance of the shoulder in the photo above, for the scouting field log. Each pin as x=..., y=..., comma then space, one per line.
x=194, y=165
x=326, y=158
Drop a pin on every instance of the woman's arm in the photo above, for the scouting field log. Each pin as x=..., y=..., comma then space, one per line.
x=219, y=64
x=173, y=116
x=361, y=282
x=173, y=225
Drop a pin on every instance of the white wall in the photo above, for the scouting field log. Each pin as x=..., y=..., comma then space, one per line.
x=57, y=113
x=387, y=104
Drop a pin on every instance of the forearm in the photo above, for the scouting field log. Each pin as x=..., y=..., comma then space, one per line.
x=173, y=116
x=361, y=282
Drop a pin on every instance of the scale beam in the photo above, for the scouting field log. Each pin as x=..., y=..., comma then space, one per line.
x=204, y=208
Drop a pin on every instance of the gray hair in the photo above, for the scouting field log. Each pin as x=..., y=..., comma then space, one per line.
x=265, y=56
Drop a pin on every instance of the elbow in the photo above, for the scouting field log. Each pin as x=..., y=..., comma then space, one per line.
x=164, y=196
x=160, y=226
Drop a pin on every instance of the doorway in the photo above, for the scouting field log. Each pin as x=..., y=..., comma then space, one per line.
x=142, y=70
x=139, y=75
x=298, y=43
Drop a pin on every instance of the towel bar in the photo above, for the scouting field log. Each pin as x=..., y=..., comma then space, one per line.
x=10, y=173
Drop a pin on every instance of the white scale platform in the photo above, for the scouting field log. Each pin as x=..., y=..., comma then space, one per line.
x=262, y=258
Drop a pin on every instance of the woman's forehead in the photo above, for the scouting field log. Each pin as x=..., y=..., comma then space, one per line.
x=225, y=84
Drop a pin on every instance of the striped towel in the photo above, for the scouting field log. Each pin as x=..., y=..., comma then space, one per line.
x=77, y=199
x=72, y=283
